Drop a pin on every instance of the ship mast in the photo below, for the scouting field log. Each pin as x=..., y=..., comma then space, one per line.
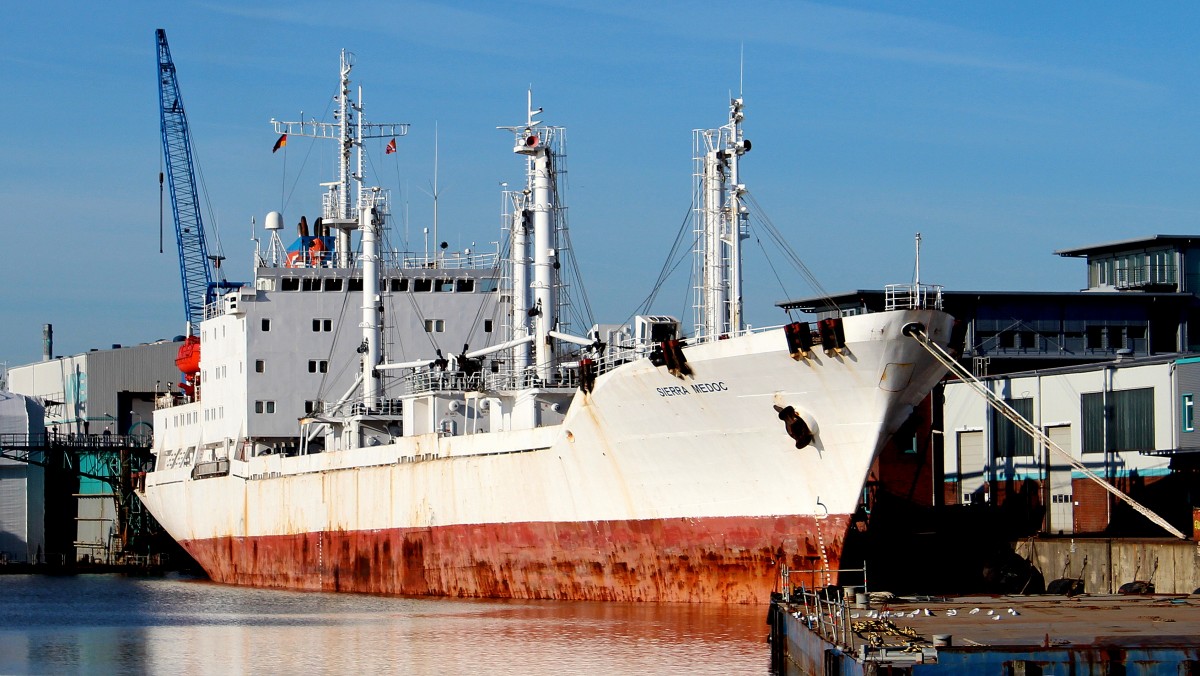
x=338, y=210
x=720, y=226
x=534, y=225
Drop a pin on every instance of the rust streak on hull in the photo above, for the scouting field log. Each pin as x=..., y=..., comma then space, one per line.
x=724, y=560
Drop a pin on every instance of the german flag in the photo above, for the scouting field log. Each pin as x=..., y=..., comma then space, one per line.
x=280, y=143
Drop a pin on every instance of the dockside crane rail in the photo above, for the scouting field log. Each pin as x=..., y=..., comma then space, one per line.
x=194, y=267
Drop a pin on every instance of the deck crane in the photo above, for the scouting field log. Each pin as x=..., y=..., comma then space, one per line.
x=194, y=261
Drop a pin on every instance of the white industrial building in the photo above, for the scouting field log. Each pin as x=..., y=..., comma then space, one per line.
x=1129, y=421
x=22, y=486
x=97, y=392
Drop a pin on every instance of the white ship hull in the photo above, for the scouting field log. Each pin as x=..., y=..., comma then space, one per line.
x=653, y=487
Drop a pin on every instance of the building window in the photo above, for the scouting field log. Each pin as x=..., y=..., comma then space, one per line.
x=1125, y=424
x=264, y=407
x=318, y=366
x=487, y=326
x=1009, y=441
x=435, y=325
x=1188, y=415
x=260, y=366
x=1094, y=338
x=312, y=406
x=323, y=325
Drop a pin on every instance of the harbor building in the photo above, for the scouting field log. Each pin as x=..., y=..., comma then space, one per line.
x=92, y=395
x=1131, y=421
x=22, y=486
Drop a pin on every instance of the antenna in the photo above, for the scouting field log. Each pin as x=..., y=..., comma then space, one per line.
x=741, y=68
x=917, y=276
x=434, y=195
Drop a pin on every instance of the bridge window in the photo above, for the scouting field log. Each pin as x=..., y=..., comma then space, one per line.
x=422, y=285
x=289, y=284
x=435, y=325
x=400, y=284
x=443, y=285
x=333, y=283
x=466, y=285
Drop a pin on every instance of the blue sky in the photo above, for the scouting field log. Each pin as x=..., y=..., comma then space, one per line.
x=1001, y=131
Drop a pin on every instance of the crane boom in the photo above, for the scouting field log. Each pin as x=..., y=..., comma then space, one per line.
x=185, y=204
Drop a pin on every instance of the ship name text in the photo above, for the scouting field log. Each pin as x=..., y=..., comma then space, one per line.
x=699, y=388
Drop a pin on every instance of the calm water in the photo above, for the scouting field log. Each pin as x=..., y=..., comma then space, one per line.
x=113, y=624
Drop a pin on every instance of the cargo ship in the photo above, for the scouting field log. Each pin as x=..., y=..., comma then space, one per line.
x=368, y=419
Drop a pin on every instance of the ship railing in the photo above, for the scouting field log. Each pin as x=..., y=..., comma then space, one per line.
x=913, y=297
x=826, y=608
x=508, y=380
x=419, y=382
x=451, y=261
x=385, y=407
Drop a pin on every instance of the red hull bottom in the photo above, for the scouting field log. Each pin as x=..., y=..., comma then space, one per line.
x=721, y=560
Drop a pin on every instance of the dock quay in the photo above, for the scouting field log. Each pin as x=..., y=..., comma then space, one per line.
x=832, y=632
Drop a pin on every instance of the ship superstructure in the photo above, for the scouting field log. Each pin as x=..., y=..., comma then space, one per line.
x=369, y=420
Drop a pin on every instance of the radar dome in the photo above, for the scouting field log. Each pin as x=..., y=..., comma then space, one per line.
x=274, y=221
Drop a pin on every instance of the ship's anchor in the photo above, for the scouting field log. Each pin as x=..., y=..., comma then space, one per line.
x=795, y=426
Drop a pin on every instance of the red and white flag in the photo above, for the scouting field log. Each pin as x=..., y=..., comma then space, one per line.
x=391, y=147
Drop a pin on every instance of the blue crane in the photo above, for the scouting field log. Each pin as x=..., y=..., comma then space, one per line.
x=185, y=205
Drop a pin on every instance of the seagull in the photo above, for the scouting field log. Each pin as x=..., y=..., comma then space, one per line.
x=973, y=611
x=951, y=613
x=914, y=613
x=990, y=611
x=854, y=616
x=995, y=617
x=1011, y=611
x=926, y=612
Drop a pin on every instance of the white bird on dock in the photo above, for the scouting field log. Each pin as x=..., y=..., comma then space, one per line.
x=1012, y=611
x=926, y=612
x=973, y=611
x=996, y=617
x=991, y=612
x=951, y=613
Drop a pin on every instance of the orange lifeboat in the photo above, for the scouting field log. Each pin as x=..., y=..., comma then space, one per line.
x=188, y=363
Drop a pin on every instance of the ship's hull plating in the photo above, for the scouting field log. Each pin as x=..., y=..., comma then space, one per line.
x=654, y=487
x=726, y=559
